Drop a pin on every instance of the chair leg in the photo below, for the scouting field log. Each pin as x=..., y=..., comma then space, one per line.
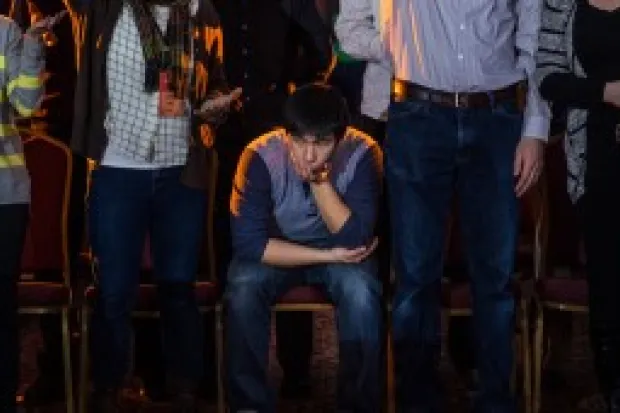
x=526, y=355
x=391, y=401
x=66, y=349
x=84, y=359
x=515, y=365
x=219, y=348
x=538, y=358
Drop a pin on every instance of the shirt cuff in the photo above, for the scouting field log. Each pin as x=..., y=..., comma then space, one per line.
x=536, y=127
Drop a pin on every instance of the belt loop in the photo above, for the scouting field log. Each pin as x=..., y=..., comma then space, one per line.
x=457, y=100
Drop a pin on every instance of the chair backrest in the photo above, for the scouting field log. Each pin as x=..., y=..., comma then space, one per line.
x=535, y=215
x=49, y=163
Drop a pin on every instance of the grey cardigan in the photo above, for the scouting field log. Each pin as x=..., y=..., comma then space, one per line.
x=556, y=55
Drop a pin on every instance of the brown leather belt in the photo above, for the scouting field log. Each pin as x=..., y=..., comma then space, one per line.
x=402, y=90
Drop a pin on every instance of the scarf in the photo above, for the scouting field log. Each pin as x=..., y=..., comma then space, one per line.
x=164, y=52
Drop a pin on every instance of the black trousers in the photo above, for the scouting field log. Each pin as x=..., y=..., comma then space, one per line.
x=600, y=212
x=13, y=221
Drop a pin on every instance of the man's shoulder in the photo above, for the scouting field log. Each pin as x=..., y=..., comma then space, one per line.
x=8, y=27
x=356, y=142
x=268, y=149
x=355, y=148
x=270, y=142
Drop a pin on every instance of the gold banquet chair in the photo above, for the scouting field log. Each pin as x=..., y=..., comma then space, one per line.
x=50, y=165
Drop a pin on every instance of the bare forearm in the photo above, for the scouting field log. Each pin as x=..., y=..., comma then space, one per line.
x=280, y=253
x=334, y=212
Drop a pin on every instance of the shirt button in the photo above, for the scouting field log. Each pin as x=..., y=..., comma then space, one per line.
x=244, y=27
x=462, y=26
x=245, y=75
x=244, y=51
x=460, y=56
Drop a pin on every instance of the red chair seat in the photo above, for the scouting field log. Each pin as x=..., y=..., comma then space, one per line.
x=304, y=294
x=43, y=294
x=567, y=291
x=456, y=294
x=207, y=294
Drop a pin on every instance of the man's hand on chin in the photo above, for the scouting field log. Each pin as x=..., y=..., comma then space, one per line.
x=529, y=163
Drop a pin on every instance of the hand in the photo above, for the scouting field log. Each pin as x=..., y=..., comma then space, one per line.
x=170, y=106
x=611, y=93
x=214, y=107
x=321, y=174
x=341, y=255
x=528, y=164
x=315, y=176
x=46, y=24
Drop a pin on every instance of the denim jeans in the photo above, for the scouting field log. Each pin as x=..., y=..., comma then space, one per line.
x=356, y=293
x=431, y=153
x=125, y=205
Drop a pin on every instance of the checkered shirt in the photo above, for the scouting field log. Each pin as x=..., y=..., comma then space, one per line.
x=132, y=123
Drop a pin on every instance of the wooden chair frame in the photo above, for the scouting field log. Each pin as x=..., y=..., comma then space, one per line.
x=540, y=306
x=63, y=310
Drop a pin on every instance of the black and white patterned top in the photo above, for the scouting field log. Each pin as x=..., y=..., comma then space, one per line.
x=556, y=54
x=134, y=129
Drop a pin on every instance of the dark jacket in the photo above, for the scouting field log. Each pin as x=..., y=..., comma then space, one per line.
x=94, y=23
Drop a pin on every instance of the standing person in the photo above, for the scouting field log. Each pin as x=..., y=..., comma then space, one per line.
x=21, y=89
x=303, y=211
x=271, y=46
x=462, y=119
x=578, y=68
x=146, y=71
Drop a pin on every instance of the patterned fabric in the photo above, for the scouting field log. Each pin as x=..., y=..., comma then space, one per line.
x=556, y=54
x=163, y=52
x=134, y=128
x=21, y=89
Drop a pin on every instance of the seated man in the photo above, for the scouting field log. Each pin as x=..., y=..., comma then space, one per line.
x=303, y=208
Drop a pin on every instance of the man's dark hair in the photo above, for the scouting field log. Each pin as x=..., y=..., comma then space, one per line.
x=318, y=110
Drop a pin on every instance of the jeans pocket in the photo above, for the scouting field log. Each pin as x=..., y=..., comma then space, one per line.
x=401, y=116
x=408, y=108
x=509, y=110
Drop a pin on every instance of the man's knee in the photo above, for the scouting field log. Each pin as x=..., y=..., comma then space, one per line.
x=358, y=299
x=358, y=289
x=248, y=287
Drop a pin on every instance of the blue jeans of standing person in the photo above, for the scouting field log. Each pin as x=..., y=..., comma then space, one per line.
x=431, y=153
x=355, y=291
x=125, y=205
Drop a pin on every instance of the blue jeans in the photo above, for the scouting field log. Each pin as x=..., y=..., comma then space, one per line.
x=125, y=205
x=355, y=291
x=432, y=152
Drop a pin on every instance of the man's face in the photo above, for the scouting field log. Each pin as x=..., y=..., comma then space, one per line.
x=311, y=153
